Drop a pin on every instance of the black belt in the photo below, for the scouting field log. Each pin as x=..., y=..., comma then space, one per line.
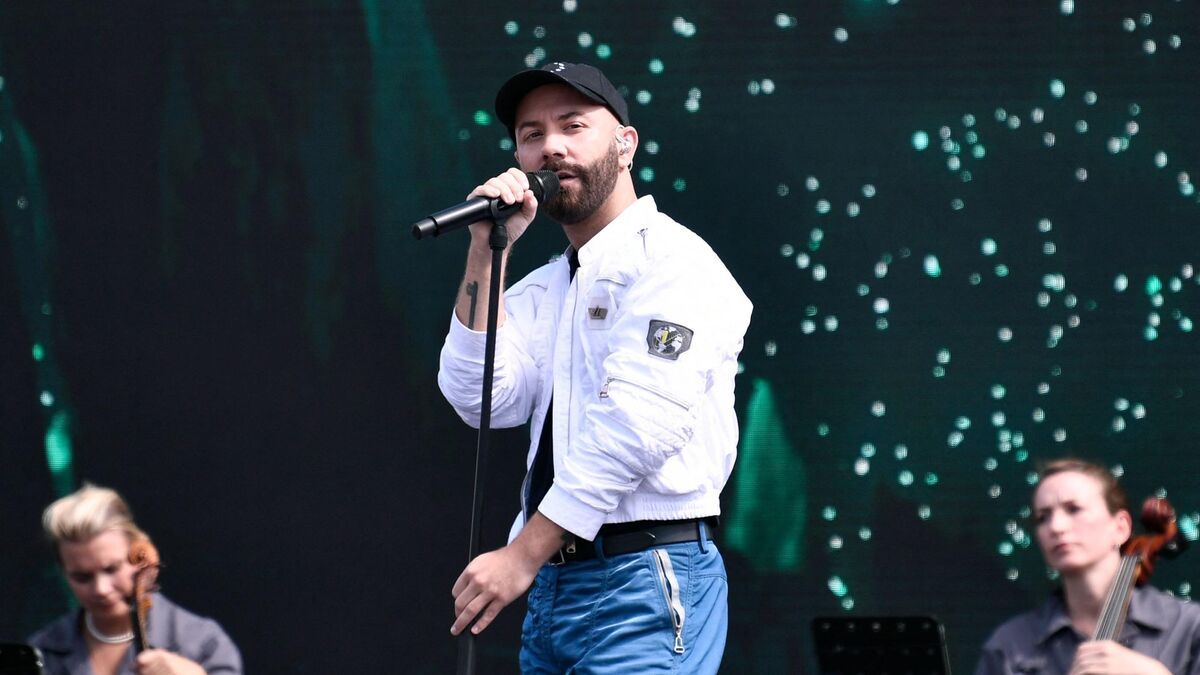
x=621, y=538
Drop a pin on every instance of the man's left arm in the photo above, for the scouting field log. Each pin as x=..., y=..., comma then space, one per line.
x=675, y=341
x=494, y=579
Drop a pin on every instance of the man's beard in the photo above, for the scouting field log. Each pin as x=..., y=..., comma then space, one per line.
x=594, y=184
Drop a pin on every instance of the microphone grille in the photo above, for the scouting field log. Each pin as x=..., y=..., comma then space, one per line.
x=544, y=185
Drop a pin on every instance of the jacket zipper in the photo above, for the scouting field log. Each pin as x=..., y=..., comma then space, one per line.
x=652, y=389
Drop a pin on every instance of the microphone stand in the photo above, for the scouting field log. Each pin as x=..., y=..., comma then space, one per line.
x=497, y=241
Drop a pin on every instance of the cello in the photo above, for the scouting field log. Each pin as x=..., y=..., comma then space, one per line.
x=1138, y=556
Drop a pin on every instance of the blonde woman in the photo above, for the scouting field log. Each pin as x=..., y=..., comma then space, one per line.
x=92, y=530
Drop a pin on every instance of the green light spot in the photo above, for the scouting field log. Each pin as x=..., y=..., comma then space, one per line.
x=1189, y=528
x=932, y=267
x=1057, y=88
x=920, y=140
x=829, y=513
x=838, y=587
x=58, y=451
x=482, y=118
x=39, y=352
x=1001, y=270
x=979, y=151
x=770, y=482
x=1151, y=333
x=656, y=66
x=680, y=185
x=1153, y=285
x=847, y=604
x=603, y=51
x=511, y=28
x=822, y=430
x=1006, y=548
x=931, y=478
x=906, y=478
x=1185, y=325
x=646, y=174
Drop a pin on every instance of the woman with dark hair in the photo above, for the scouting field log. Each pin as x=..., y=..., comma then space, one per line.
x=1082, y=518
x=93, y=530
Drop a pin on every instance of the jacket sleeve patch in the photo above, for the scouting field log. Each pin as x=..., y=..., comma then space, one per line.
x=668, y=340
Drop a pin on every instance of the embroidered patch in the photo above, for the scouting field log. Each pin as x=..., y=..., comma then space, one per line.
x=597, y=313
x=668, y=340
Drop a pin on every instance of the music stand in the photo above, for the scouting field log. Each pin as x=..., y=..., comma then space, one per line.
x=19, y=659
x=880, y=645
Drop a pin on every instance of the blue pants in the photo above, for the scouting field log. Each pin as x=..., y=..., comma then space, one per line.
x=662, y=610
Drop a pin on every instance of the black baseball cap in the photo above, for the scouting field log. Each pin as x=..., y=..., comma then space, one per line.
x=585, y=79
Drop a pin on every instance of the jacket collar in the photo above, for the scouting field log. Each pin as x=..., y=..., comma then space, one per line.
x=635, y=217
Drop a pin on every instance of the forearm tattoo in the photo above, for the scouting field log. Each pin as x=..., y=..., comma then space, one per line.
x=473, y=291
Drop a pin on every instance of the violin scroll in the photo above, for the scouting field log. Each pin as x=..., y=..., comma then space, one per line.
x=144, y=556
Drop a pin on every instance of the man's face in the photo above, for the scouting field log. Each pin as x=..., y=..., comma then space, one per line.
x=560, y=130
x=99, y=573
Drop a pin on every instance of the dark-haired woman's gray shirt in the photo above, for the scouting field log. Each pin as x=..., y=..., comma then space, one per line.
x=1043, y=642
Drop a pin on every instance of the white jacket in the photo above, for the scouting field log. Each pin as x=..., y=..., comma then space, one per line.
x=640, y=351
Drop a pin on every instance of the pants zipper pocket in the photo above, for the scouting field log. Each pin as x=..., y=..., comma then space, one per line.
x=670, y=586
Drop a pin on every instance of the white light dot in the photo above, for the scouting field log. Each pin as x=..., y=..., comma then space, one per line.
x=841, y=34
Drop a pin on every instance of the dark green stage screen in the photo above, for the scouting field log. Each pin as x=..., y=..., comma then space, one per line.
x=970, y=231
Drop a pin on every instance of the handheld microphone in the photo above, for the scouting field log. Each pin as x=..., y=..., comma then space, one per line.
x=543, y=183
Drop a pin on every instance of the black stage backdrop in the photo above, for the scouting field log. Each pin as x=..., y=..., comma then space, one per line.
x=969, y=230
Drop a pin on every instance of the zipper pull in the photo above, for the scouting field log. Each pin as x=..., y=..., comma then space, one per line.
x=679, y=642
x=604, y=389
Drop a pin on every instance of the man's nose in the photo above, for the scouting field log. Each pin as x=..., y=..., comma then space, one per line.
x=104, y=584
x=554, y=145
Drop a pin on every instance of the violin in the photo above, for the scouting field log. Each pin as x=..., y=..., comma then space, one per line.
x=1138, y=555
x=144, y=557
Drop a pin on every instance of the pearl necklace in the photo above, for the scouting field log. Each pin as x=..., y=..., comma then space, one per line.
x=118, y=639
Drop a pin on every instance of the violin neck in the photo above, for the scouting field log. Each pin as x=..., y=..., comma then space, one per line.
x=1116, y=603
x=139, y=615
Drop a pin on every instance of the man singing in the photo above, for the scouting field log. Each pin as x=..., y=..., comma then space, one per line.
x=622, y=354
